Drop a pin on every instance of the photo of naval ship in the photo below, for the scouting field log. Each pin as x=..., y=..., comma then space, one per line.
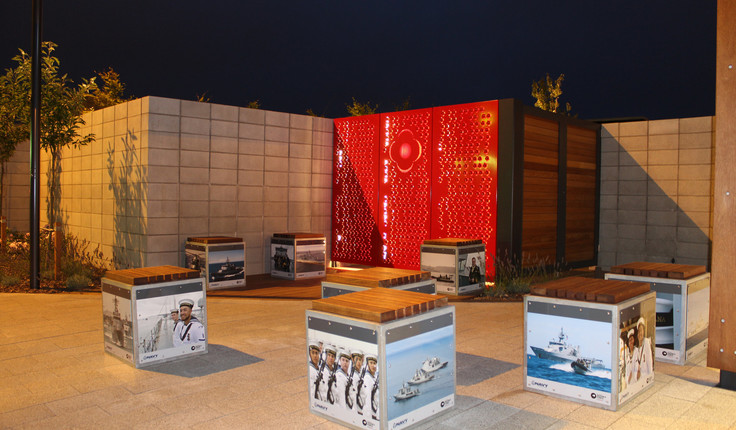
x=310, y=258
x=227, y=271
x=559, y=350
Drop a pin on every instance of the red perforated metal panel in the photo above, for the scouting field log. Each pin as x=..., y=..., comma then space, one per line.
x=404, y=186
x=408, y=176
x=355, y=237
x=464, y=174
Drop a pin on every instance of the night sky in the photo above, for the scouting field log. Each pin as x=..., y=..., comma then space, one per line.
x=653, y=59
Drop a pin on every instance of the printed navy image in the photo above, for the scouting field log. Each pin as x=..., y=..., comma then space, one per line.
x=569, y=351
x=421, y=371
x=226, y=265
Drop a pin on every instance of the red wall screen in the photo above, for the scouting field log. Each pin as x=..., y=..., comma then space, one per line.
x=403, y=177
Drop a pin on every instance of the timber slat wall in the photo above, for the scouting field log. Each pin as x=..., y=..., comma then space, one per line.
x=581, y=194
x=721, y=339
x=539, y=214
x=548, y=187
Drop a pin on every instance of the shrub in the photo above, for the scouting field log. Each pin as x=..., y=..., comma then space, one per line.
x=77, y=282
x=9, y=281
x=513, y=278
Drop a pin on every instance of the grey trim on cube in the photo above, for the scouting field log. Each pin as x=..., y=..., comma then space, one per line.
x=344, y=330
x=396, y=334
x=168, y=290
x=579, y=312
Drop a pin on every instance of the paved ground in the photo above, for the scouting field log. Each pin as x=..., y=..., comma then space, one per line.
x=55, y=374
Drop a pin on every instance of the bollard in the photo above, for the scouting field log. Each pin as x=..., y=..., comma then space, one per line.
x=58, y=236
x=3, y=233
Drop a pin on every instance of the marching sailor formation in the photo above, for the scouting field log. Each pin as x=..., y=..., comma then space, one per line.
x=346, y=379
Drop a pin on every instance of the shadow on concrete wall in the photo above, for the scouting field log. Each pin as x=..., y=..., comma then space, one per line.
x=641, y=221
x=54, y=212
x=127, y=179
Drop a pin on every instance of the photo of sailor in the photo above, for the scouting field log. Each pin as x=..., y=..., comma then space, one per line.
x=341, y=382
x=314, y=352
x=472, y=268
x=642, y=358
x=174, y=317
x=188, y=330
x=328, y=388
x=341, y=377
x=637, y=357
x=356, y=366
x=629, y=355
x=369, y=390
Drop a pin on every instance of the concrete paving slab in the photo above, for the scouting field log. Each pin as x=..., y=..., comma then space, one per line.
x=56, y=373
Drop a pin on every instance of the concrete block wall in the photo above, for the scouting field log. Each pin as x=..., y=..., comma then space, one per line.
x=656, y=191
x=17, y=189
x=162, y=170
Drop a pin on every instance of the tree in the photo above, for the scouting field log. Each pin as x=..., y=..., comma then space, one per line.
x=547, y=92
x=108, y=93
x=255, y=104
x=202, y=98
x=13, y=130
x=358, y=108
x=311, y=112
x=404, y=105
x=62, y=106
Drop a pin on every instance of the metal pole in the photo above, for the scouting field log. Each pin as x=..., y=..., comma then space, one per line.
x=35, y=141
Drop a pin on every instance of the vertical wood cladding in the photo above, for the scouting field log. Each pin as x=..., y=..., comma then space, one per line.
x=539, y=213
x=721, y=339
x=580, y=194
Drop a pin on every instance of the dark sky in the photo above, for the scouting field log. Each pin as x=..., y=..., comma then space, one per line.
x=621, y=58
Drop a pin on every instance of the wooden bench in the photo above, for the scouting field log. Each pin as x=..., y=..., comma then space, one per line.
x=379, y=304
x=658, y=270
x=591, y=290
x=151, y=275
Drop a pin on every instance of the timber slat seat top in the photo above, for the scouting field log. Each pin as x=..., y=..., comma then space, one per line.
x=591, y=290
x=453, y=241
x=151, y=275
x=215, y=239
x=299, y=235
x=379, y=277
x=379, y=304
x=658, y=270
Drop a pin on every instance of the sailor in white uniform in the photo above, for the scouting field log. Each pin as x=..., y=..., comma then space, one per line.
x=314, y=361
x=353, y=378
x=343, y=367
x=369, y=390
x=643, y=352
x=174, y=318
x=327, y=389
x=189, y=329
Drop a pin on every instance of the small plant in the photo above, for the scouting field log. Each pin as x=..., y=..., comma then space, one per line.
x=9, y=281
x=76, y=258
x=514, y=278
x=77, y=282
